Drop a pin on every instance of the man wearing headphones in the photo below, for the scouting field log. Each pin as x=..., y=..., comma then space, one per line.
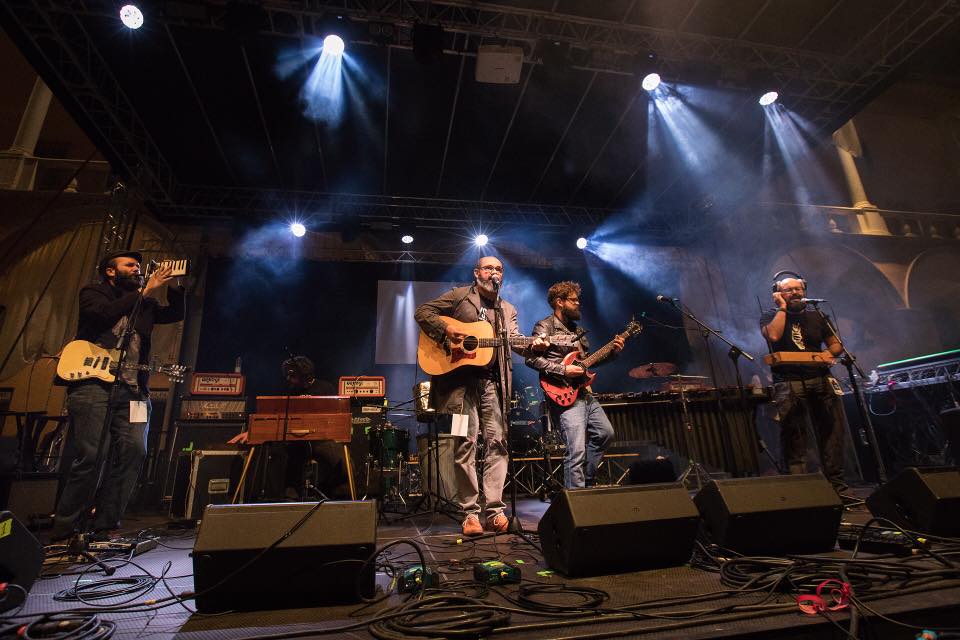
x=800, y=389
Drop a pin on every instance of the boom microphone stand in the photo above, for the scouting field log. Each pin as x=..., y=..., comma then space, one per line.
x=694, y=467
x=848, y=360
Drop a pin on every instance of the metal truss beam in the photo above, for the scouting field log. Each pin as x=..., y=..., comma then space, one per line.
x=69, y=53
x=467, y=215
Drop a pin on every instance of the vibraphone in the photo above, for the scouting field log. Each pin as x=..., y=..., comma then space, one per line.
x=724, y=433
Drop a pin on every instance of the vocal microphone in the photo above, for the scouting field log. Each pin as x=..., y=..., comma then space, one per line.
x=663, y=298
x=496, y=281
x=812, y=300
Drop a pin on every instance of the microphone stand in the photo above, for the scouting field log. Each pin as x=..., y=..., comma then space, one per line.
x=849, y=361
x=695, y=468
x=503, y=357
x=80, y=544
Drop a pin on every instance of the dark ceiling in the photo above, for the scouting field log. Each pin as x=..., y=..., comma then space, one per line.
x=194, y=105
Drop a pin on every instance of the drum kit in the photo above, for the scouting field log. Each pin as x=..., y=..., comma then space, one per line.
x=387, y=470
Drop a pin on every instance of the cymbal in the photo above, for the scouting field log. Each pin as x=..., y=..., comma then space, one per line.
x=652, y=370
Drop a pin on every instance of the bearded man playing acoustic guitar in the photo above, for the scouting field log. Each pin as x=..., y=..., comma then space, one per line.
x=104, y=308
x=584, y=426
x=474, y=391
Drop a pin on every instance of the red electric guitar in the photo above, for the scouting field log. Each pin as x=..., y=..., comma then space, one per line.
x=564, y=391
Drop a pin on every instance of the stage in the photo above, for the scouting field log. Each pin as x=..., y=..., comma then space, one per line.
x=666, y=603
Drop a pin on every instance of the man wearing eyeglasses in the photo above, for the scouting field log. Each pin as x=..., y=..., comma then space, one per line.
x=473, y=392
x=801, y=389
x=584, y=426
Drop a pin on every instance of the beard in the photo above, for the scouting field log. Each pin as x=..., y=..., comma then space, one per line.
x=487, y=287
x=572, y=314
x=795, y=306
x=127, y=282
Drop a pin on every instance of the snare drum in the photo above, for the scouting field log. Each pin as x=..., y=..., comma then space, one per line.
x=389, y=446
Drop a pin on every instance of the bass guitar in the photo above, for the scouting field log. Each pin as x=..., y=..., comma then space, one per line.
x=82, y=360
x=475, y=349
x=563, y=390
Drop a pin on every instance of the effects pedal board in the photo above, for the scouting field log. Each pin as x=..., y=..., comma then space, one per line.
x=132, y=547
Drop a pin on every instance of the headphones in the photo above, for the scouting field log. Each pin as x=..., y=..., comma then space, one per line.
x=779, y=276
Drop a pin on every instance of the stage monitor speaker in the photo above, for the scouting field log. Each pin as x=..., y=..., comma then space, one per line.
x=21, y=557
x=594, y=532
x=772, y=515
x=319, y=564
x=926, y=500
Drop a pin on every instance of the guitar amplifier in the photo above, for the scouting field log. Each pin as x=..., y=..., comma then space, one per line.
x=367, y=413
x=202, y=478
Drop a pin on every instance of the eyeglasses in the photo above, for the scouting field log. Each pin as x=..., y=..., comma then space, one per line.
x=792, y=290
x=491, y=269
x=573, y=300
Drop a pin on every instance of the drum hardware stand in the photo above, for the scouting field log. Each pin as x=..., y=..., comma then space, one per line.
x=849, y=361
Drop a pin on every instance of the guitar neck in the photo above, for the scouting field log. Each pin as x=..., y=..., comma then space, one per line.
x=603, y=352
x=520, y=341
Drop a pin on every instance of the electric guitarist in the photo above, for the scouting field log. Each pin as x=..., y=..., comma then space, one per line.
x=104, y=310
x=584, y=426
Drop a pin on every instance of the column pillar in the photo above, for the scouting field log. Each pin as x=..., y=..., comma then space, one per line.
x=18, y=166
x=847, y=143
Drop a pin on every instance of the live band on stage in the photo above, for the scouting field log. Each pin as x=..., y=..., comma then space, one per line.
x=483, y=440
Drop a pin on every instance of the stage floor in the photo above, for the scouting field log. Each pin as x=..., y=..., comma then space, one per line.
x=719, y=614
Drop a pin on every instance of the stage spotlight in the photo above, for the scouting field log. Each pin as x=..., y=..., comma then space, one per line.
x=481, y=240
x=333, y=45
x=406, y=238
x=581, y=243
x=298, y=229
x=131, y=16
x=769, y=98
x=651, y=81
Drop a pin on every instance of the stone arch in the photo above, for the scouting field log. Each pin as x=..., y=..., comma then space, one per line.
x=933, y=288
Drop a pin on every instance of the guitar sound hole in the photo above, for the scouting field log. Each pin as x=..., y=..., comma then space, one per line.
x=470, y=343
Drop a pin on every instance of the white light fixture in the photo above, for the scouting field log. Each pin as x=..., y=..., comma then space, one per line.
x=406, y=239
x=298, y=229
x=481, y=240
x=768, y=98
x=131, y=16
x=651, y=81
x=581, y=243
x=333, y=45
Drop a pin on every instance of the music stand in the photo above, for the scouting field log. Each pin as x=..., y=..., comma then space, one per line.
x=430, y=501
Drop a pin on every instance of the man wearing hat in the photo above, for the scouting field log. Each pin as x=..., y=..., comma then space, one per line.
x=104, y=311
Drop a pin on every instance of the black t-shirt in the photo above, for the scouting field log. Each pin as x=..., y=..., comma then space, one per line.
x=804, y=331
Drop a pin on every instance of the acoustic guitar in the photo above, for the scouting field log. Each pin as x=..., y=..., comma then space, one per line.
x=82, y=360
x=476, y=349
x=564, y=390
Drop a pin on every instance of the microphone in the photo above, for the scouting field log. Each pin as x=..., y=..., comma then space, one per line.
x=663, y=298
x=495, y=279
x=812, y=300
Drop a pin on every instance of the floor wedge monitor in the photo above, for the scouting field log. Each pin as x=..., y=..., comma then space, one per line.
x=926, y=500
x=771, y=515
x=592, y=532
x=318, y=564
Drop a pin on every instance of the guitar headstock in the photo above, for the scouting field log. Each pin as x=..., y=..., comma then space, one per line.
x=173, y=371
x=633, y=328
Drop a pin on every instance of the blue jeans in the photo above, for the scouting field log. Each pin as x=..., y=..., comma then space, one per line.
x=125, y=447
x=587, y=433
